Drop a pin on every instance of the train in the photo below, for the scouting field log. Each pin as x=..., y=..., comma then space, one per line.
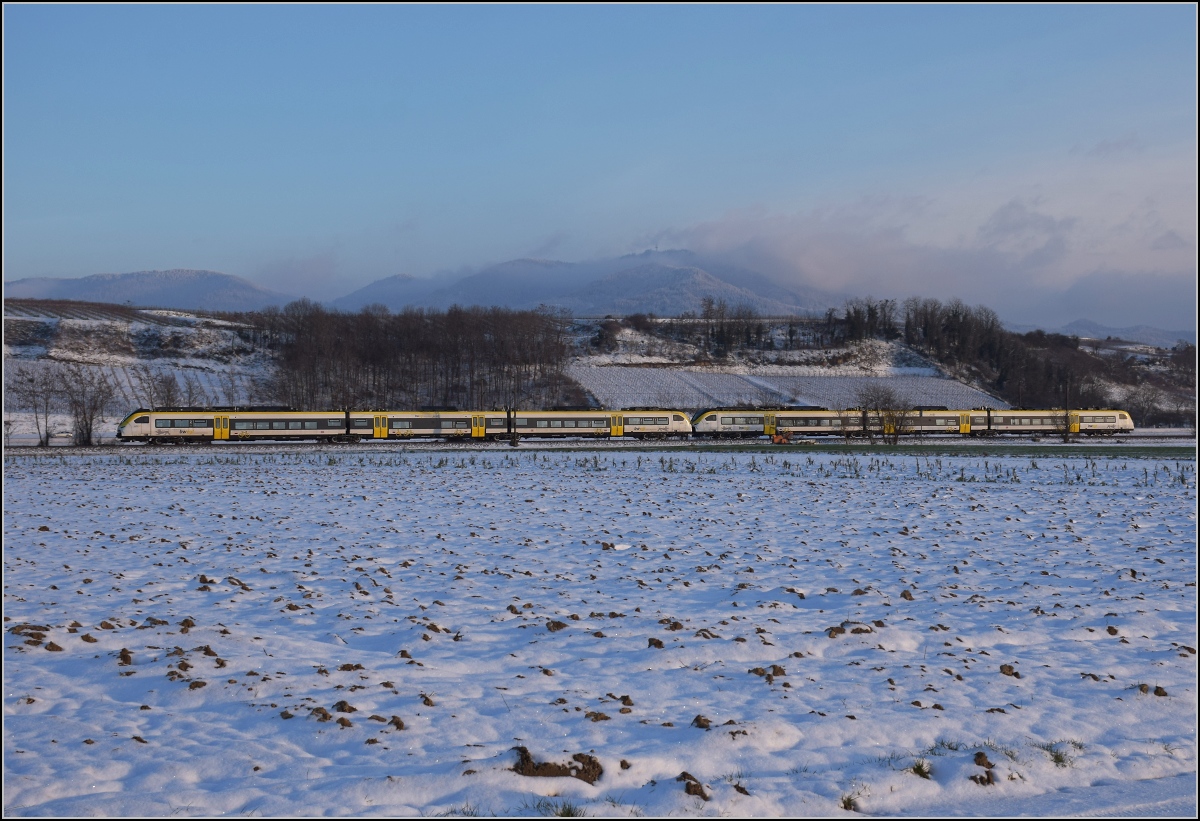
x=262, y=423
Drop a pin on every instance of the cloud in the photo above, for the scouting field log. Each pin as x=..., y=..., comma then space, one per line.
x=1125, y=145
x=1111, y=241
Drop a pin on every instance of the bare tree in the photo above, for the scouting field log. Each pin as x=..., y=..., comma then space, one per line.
x=1143, y=401
x=37, y=390
x=88, y=394
x=193, y=392
x=886, y=413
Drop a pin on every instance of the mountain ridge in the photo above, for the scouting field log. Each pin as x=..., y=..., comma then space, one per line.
x=177, y=288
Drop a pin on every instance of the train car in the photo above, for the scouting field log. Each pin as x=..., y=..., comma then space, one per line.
x=653, y=423
x=1049, y=422
x=198, y=425
x=730, y=423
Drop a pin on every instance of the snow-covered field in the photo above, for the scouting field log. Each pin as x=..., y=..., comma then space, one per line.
x=616, y=386
x=372, y=631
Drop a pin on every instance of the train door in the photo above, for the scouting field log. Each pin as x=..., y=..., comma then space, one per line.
x=1073, y=422
x=478, y=427
x=964, y=423
x=618, y=426
x=769, y=424
x=221, y=427
x=381, y=429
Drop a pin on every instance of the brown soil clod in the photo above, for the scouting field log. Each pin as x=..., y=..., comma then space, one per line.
x=906, y=595
x=986, y=779
x=595, y=716
x=427, y=701
x=656, y=643
x=321, y=713
x=397, y=722
x=1158, y=691
x=582, y=766
x=344, y=707
x=125, y=658
x=981, y=760
x=196, y=685
x=692, y=785
x=701, y=722
x=554, y=625
x=53, y=648
x=345, y=722
x=89, y=638
x=836, y=631
x=1009, y=670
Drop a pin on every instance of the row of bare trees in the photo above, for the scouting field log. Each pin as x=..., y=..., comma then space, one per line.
x=463, y=357
x=84, y=392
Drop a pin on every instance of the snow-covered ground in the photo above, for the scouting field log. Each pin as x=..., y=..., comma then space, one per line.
x=616, y=386
x=375, y=631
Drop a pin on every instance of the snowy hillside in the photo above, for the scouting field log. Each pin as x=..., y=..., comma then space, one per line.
x=211, y=360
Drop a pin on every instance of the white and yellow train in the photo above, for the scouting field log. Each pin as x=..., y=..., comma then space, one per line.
x=184, y=425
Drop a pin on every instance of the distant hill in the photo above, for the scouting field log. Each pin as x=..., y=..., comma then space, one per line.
x=180, y=289
x=666, y=283
x=1086, y=328
x=668, y=291
x=1138, y=333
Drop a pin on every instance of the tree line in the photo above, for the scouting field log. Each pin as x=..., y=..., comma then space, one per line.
x=459, y=358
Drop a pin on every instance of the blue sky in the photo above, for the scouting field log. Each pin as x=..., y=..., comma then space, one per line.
x=1033, y=158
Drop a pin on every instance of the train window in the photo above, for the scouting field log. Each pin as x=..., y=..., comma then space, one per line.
x=202, y=423
x=310, y=424
x=495, y=423
x=360, y=423
x=677, y=417
x=569, y=423
x=162, y=423
x=262, y=425
x=599, y=423
x=142, y=420
x=542, y=423
x=633, y=420
x=243, y=425
x=336, y=423
x=521, y=423
x=294, y=425
x=402, y=424
x=556, y=423
x=726, y=420
x=280, y=425
x=462, y=424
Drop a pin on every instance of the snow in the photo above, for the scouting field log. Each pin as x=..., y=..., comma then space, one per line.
x=498, y=599
x=616, y=386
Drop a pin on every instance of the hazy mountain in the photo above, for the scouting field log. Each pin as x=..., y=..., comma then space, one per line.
x=1086, y=328
x=667, y=290
x=180, y=289
x=1138, y=333
x=662, y=282
x=394, y=292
